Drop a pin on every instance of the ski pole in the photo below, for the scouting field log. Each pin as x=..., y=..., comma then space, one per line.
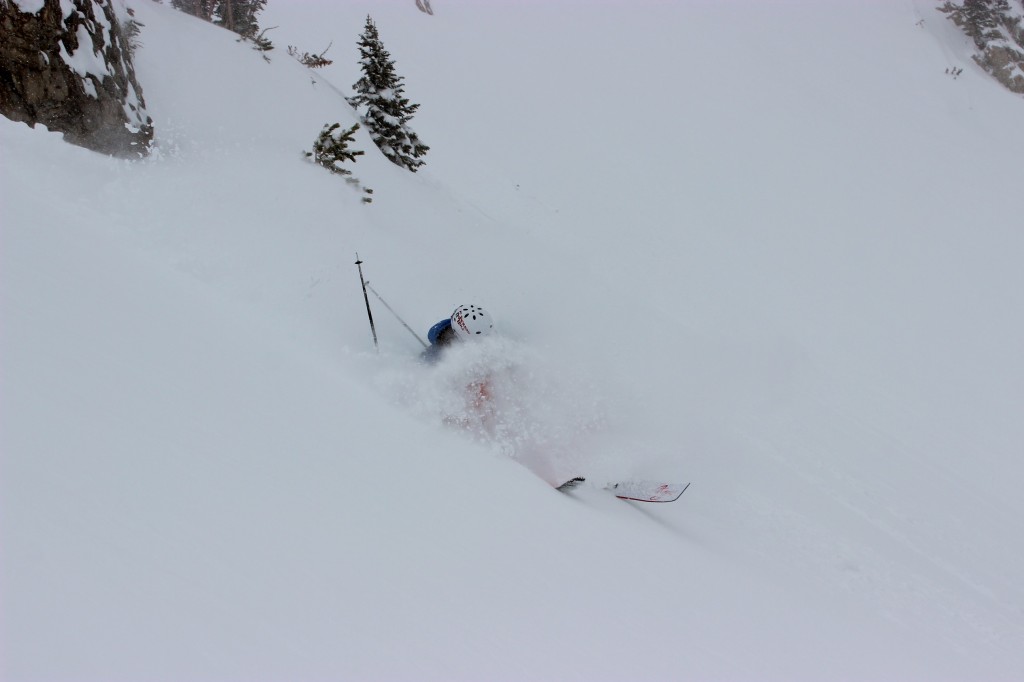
x=374, y=292
x=369, y=314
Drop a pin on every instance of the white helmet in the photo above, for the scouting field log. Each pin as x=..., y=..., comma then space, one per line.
x=469, y=321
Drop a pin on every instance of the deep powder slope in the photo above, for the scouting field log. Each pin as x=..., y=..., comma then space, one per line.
x=748, y=246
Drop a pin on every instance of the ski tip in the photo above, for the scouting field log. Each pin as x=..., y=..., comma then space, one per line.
x=570, y=484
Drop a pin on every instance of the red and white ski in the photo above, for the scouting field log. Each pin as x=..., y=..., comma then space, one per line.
x=647, y=491
x=637, y=491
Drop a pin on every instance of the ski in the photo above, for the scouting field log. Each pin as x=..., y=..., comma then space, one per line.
x=635, y=491
x=647, y=491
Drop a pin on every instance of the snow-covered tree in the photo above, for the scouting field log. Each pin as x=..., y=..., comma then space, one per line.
x=381, y=105
x=980, y=19
x=331, y=151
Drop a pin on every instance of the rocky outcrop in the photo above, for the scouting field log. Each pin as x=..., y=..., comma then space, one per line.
x=997, y=29
x=67, y=65
x=1006, y=63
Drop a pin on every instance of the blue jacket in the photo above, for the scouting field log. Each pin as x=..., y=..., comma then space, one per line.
x=436, y=330
x=439, y=336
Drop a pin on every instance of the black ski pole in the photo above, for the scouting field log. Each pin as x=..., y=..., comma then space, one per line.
x=369, y=314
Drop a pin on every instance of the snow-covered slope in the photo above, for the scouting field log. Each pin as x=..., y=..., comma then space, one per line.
x=771, y=248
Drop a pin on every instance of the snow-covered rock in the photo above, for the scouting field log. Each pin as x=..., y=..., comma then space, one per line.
x=67, y=65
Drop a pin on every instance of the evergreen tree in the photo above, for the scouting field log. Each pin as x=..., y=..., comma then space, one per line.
x=381, y=105
x=980, y=19
x=197, y=8
x=235, y=15
x=331, y=150
x=239, y=16
x=313, y=61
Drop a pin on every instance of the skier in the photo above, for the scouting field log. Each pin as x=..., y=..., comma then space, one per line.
x=467, y=322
